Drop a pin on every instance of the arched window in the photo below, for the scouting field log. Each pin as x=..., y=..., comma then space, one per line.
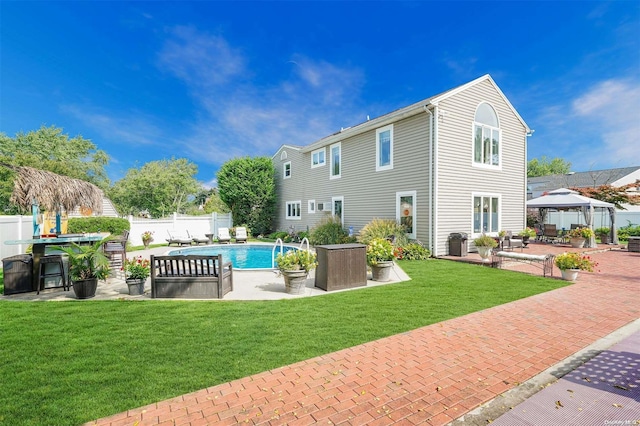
x=486, y=136
x=283, y=155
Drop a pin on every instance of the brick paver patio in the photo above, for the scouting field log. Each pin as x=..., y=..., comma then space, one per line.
x=431, y=375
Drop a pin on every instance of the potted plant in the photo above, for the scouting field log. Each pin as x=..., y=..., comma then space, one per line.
x=485, y=244
x=87, y=265
x=578, y=236
x=571, y=263
x=604, y=234
x=136, y=271
x=294, y=266
x=147, y=238
x=380, y=258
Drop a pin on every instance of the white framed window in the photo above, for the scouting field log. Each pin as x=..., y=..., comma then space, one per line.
x=486, y=137
x=283, y=155
x=294, y=210
x=406, y=211
x=337, y=207
x=486, y=213
x=311, y=206
x=336, y=160
x=286, y=170
x=384, y=148
x=318, y=158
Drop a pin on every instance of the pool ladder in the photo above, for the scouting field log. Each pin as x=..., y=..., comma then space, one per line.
x=280, y=244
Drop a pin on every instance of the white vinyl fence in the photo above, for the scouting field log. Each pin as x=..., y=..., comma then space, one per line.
x=564, y=219
x=21, y=228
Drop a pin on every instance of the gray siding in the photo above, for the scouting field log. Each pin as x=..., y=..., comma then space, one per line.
x=458, y=179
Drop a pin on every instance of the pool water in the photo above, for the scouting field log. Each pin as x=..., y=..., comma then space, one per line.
x=241, y=256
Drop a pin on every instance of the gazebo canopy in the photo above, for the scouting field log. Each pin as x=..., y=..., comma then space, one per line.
x=53, y=191
x=564, y=199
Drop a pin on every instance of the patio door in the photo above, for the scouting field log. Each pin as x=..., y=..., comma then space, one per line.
x=337, y=208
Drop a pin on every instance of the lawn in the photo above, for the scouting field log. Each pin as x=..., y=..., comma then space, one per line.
x=66, y=363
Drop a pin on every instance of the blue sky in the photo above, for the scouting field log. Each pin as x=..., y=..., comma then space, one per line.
x=210, y=81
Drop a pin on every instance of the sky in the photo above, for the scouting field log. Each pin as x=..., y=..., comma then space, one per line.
x=211, y=81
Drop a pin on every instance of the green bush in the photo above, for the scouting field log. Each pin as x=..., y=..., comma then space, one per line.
x=279, y=234
x=384, y=228
x=628, y=231
x=413, y=251
x=113, y=225
x=329, y=231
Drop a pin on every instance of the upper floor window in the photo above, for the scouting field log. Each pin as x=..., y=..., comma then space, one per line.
x=286, y=170
x=336, y=163
x=486, y=136
x=318, y=158
x=384, y=148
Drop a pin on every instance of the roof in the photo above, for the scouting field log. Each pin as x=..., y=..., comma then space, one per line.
x=591, y=178
x=405, y=112
x=565, y=198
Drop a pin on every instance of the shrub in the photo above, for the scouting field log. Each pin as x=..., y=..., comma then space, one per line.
x=384, y=228
x=329, y=231
x=602, y=231
x=413, y=251
x=113, y=225
x=485, y=241
x=295, y=260
x=379, y=250
x=279, y=234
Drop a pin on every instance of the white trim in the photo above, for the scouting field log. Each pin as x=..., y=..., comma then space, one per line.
x=475, y=234
x=284, y=170
x=333, y=207
x=414, y=195
x=324, y=162
x=286, y=210
x=311, y=206
x=331, y=175
x=389, y=166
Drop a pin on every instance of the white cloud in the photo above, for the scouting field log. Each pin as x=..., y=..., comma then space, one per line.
x=612, y=109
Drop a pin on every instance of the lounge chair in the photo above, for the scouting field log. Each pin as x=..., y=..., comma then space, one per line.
x=241, y=234
x=178, y=239
x=198, y=240
x=223, y=236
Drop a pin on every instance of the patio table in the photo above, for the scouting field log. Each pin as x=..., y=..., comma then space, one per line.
x=40, y=245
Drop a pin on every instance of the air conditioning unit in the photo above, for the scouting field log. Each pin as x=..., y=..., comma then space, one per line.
x=324, y=207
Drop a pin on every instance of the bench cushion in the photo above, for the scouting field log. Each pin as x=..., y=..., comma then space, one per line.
x=522, y=256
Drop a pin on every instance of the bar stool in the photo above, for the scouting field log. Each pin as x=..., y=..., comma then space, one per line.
x=53, y=260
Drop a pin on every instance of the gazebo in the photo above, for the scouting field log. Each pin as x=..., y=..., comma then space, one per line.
x=566, y=199
x=34, y=188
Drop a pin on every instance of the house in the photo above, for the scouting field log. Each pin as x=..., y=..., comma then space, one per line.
x=455, y=162
x=537, y=186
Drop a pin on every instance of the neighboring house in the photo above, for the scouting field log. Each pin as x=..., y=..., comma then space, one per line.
x=537, y=186
x=108, y=210
x=455, y=162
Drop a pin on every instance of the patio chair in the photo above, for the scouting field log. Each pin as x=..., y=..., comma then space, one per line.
x=198, y=240
x=116, y=250
x=223, y=236
x=178, y=239
x=241, y=234
x=550, y=233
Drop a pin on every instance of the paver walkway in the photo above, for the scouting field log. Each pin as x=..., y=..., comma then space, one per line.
x=431, y=375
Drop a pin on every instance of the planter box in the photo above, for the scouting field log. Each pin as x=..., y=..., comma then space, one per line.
x=341, y=266
x=634, y=244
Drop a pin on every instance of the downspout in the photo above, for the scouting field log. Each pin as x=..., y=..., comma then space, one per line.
x=435, y=180
x=430, y=230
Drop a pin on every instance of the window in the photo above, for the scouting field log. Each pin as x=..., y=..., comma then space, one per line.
x=486, y=137
x=293, y=210
x=317, y=158
x=336, y=154
x=406, y=211
x=384, y=148
x=486, y=213
x=286, y=170
x=312, y=206
x=283, y=155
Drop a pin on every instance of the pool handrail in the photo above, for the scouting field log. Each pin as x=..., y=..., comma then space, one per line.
x=305, y=239
x=273, y=252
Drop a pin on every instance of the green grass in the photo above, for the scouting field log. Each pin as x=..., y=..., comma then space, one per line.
x=66, y=363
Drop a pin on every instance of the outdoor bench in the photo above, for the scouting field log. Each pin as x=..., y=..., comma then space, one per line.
x=546, y=260
x=190, y=277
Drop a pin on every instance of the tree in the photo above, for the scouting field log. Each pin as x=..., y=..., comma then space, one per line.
x=248, y=187
x=207, y=201
x=544, y=167
x=617, y=195
x=49, y=149
x=159, y=187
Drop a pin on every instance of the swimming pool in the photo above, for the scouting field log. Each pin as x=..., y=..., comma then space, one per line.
x=241, y=256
